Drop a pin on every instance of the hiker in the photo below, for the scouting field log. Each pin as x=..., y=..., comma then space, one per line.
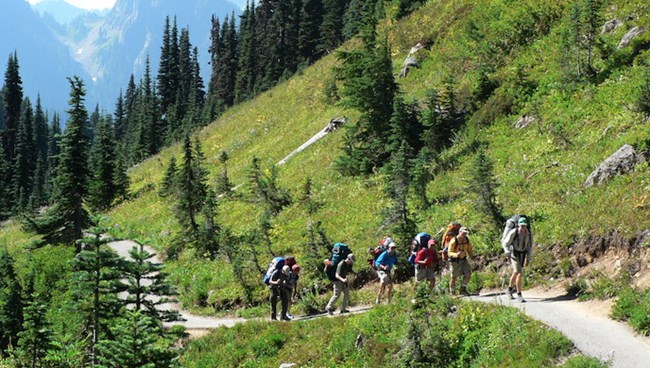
x=426, y=262
x=293, y=284
x=341, y=284
x=450, y=232
x=460, y=249
x=518, y=246
x=280, y=289
x=384, y=264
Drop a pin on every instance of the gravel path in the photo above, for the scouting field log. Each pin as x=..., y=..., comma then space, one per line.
x=586, y=324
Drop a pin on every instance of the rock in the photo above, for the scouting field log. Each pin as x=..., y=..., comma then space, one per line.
x=410, y=61
x=524, y=121
x=611, y=25
x=621, y=162
x=630, y=35
x=287, y=365
x=335, y=123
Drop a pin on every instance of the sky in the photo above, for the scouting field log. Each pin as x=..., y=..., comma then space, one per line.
x=85, y=4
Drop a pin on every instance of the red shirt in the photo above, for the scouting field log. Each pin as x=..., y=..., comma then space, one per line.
x=428, y=254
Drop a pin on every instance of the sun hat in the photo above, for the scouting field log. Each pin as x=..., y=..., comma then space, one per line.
x=463, y=230
x=392, y=245
x=352, y=257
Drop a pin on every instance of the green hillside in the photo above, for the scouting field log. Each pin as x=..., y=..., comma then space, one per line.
x=501, y=60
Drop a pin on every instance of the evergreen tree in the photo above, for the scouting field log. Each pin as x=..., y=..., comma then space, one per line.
x=359, y=14
x=101, y=189
x=168, y=186
x=311, y=18
x=53, y=150
x=247, y=57
x=36, y=336
x=12, y=98
x=317, y=243
x=332, y=25
x=167, y=70
x=224, y=186
x=191, y=189
x=406, y=126
x=11, y=305
x=369, y=86
x=643, y=99
x=66, y=219
x=216, y=58
x=483, y=185
x=120, y=119
x=25, y=155
x=41, y=134
x=208, y=242
x=91, y=125
x=136, y=344
x=96, y=283
x=264, y=188
x=147, y=286
x=5, y=204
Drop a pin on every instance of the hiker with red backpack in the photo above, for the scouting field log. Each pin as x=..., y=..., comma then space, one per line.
x=460, y=250
x=384, y=264
x=518, y=246
x=341, y=284
x=426, y=262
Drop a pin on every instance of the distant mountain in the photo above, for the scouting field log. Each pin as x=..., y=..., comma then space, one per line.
x=119, y=44
x=61, y=11
x=44, y=60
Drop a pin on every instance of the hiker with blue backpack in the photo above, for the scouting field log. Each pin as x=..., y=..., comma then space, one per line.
x=384, y=264
x=517, y=245
x=277, y=277
x=341, y=284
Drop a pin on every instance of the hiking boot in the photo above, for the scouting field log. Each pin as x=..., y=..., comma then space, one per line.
x=285, y=318
x=377, y=301
x=344, y=311
x=463, y=291
x=289, y=316
x=330, y=311
x=509, y=293
x=521, y=299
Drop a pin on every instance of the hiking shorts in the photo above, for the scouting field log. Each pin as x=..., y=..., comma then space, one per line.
x=424, y=273
x=384, y=277
x=517, y=265
x=460, y=267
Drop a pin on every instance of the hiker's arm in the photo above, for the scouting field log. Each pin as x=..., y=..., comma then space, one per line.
x=508, y=240
x=453, y=249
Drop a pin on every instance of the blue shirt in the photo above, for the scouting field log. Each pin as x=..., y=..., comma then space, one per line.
x=387, y=260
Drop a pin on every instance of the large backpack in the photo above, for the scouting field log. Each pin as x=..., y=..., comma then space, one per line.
x=512, y=223
x=340, y=251
x=378, y=250
x=421, y=240
x=450, y=233
x=276, y=264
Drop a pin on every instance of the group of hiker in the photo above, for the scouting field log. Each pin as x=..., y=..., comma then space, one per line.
x=425, y=254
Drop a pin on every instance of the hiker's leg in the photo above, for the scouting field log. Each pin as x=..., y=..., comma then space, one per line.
x=346, y=297
x=335, y=296
x=274, y=302
x=519, y=282
x=284, y=297
x=452, y=284
x=390, y=290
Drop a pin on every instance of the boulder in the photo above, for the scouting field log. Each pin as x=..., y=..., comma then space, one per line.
x=630, y=35
x=410, y=61
x=611, y=25
x=621, y=162
x=524, y=121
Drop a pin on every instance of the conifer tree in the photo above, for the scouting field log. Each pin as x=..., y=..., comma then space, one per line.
x=643, y=99
x=101, y=188
x=53, y=150
x=11, y=305
x=208, y=242
x=120, y=119
x=5, y=204
x=136, y=344
x=121, y=180
x=41, y=133
x=311, y=18
x=264, y=188
x=91, y=125
x=406, y=126
x=358, y=15
x=246, y=55
x=191, y=189
x=317, y=243
x=12, y=98
x=332, y=25
x=64, y=222
x=482, y=184
x=97, y=281
x=223, y=184
x=147, y=285
x=369, y=86
x=36, y=336
x=167, y=70
x=25, y=155
x=168, y=186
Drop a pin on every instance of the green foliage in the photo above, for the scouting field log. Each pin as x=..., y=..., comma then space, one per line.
x=603, y=286
x=11, y=305
x=584, y=362
x=633, y=306
x=643, y=99
x=264, y=188
x=482, y=183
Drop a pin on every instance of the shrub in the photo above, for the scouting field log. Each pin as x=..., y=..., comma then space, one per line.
x=633, y=306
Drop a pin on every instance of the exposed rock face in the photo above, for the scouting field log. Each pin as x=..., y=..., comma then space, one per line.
x=611, y=25
x=630, y=35
x=524, y=121
x=621, y=162
x=410, y=61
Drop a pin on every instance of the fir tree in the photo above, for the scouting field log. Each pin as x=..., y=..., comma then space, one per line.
x=358, y=15
x=136, y=344
x=25, y=155
x=53, y=150
x=168, y=186
x=11, y=305
x=191, y=189
x=643, y=99
x=66, y=219
x=331, y=35
x=264, y=188
x=223, y=184
x=311, y=18
x=147, y=286
x=317, y=243
x=36, y=336
x=208, y=242
x=41, y=136
x=12, y=98
x=405, y=125
x=167, y=70
x=101, y=189
x=120, y=119
x=247, y=58
x=97, y=281
x=121, y=180
x=483, y=185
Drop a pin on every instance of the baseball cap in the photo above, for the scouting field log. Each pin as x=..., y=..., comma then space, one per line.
x=463, y=230
x=392, y=245
x=523, y=221
x=352, y=257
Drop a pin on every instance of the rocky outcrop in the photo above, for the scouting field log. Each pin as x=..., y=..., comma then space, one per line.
x=611, y=25
x=630, y=35
x=524, y=121
x=622, y=161
x=410, y=61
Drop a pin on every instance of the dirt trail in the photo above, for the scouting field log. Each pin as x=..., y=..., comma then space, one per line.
x=586, y=323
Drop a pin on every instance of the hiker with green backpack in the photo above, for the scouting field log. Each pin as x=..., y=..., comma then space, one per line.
x=517, y=244
x=341, y=285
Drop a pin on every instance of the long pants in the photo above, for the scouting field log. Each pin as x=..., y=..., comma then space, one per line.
x=339, y=287
x=277, y=292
